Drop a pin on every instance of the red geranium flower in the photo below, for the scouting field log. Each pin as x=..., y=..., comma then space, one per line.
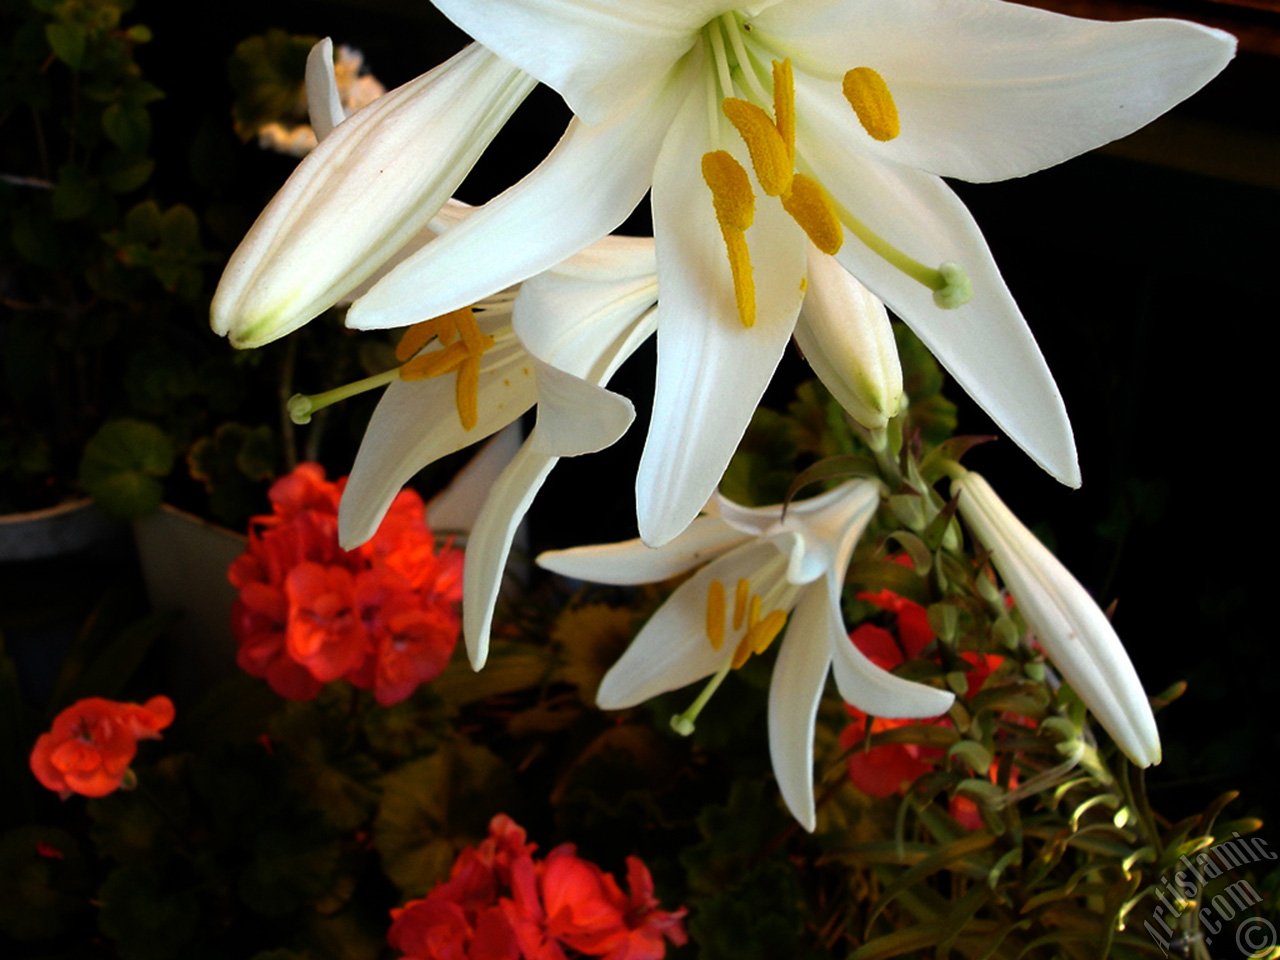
x=92, y=743
x=891, y=768
x=501, y=904
x=382, y=616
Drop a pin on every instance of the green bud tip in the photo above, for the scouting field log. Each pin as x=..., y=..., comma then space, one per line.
x=956, y=290
x=300, y=408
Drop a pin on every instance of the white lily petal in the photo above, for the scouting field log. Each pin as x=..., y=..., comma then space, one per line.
x=1072, y=629
x=490, y=543
x=362, y=194
x=987, y=89
x=600, y=55
x=455, y=508
x=795, y=691
x=845, y=334
x=672, y=650
x=575, y=314
x=417, y=423
x=759, y=521
x=817, y=534
x=585, y=187
x=985, y=344
x=324, y=103
x=576, y=416
x=632, y=562
x=712, y=370
x=872, y=689
x=449, y=216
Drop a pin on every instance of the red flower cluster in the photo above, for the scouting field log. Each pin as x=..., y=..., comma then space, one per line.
x=92, y=743
x=383, y=616
x=892, y=767
x=501, y=904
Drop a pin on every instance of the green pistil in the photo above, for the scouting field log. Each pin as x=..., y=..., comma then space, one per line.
x=949, y=283
x=301, y=406
x=682, y=723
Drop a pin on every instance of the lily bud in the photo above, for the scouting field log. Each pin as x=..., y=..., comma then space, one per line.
x=364, y=193
x=1072, y=629
x=845, y=334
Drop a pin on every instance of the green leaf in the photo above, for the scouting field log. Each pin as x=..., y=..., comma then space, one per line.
x=43, y=881
x=146, y=917
x=128, y=126
x=125, y=172
x=74, y=195
x=940, y=859
x=433, y=806
x=511, y=667
x=67, y=40
x=123, y=465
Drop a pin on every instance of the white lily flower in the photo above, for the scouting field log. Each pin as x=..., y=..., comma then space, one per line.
x=1074, y=632
x=847, y=113
x=603, y=301
x=757, y=567
x=364, y=193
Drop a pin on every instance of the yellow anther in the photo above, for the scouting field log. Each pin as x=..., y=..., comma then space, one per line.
x=744, y=282
x=763, y=633
x=447, y=326
x=871, y=100
x=784, y=105
x=466, y=390
x=731, y=193
x=715, y=614
x=414, y=339
x=471, y=335
x=809, y=206
x=436, y=363
x=770, y=158
x=735, y=206
x=742, y=653
x=740, y=597
x=753, y=614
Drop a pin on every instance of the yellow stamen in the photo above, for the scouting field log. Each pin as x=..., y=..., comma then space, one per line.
x=763, y=633
x=753, y=616
x=735, y=206
x=744, y=282
x=465, y=392
x=740, y=597
x=447, y=326
x=770, y=158
x=871, y=100
x=742, y=654
x=436, y=363
x=414, y=339
x=471, y=335
x=808, y=205
x=715, y=614
x=784, y=105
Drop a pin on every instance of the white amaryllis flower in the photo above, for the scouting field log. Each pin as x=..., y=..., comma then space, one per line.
x=1071, y=628
x=847, y=113
x=757, y=567
x=602, y=300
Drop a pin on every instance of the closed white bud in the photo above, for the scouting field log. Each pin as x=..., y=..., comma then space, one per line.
x=365, y=192
x=845, y=334
x=1072, y=629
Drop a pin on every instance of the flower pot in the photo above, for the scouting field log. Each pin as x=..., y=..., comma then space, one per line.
x=184, y=565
